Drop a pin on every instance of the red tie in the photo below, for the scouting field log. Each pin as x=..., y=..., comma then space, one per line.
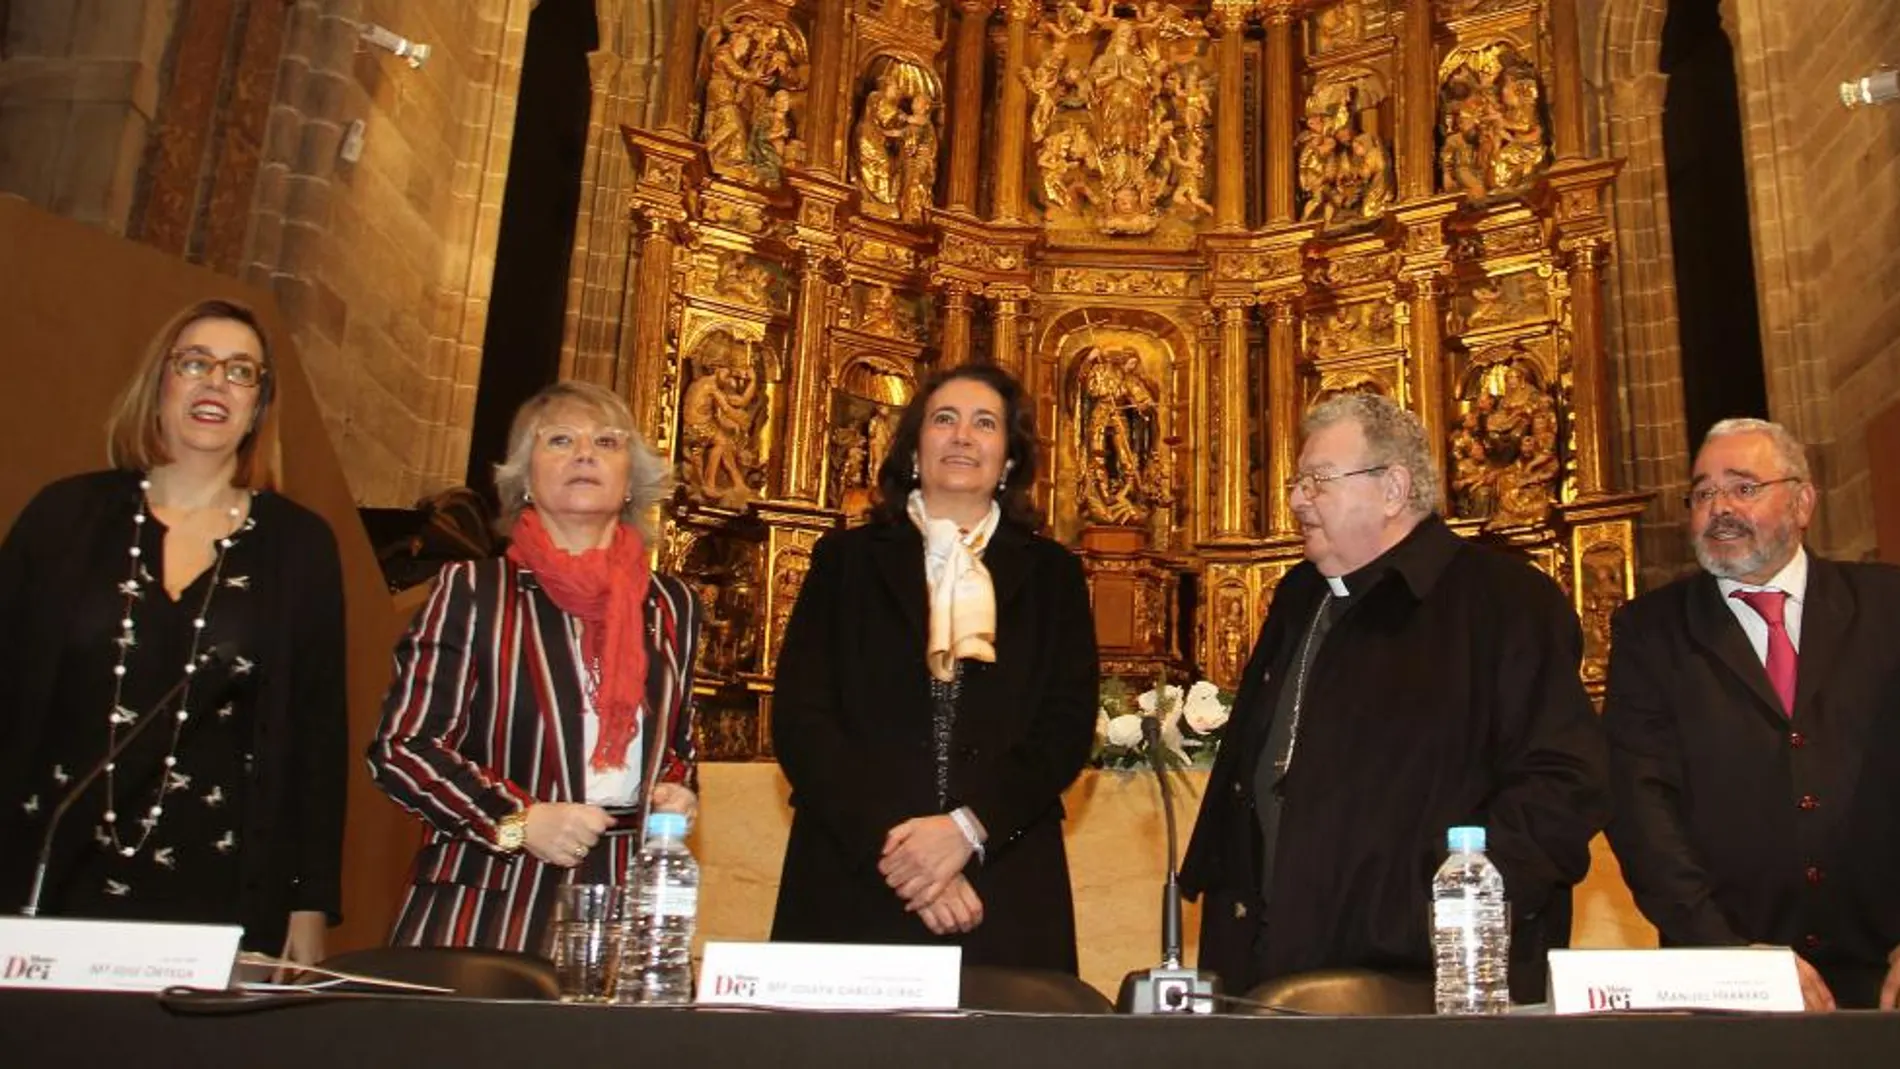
x=1771, y=606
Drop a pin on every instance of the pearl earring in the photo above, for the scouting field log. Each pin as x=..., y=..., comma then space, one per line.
x=527, y=497
x=916, y=473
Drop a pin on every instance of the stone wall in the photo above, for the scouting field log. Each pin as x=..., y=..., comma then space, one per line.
x=1825, y=186
x=384, y=263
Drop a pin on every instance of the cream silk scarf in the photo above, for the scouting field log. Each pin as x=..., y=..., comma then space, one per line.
x=962, y=600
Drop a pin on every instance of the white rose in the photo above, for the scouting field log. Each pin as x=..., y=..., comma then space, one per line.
x=1125, y=730
x=1167, y=695
x=1101, y=723
x=1203, y=709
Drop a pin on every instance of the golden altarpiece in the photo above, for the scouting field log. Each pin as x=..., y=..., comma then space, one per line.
x=1181, y=224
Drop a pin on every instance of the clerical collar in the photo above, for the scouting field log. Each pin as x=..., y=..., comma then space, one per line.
x=1418, y=558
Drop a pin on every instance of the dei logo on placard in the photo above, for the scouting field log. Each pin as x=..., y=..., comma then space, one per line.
x=27, y=968
x=736, y=986
x=1609, y=998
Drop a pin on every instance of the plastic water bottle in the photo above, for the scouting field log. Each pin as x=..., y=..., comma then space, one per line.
x=1471, y=929
x=666, y=911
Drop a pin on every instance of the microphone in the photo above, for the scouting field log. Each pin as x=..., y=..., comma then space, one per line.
x=221, y=653
x=1167, y=988
x=1879, y=87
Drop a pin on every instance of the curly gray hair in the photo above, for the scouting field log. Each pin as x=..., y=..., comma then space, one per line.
x=1788, y=448
x=1394, y=437
x=649, y=479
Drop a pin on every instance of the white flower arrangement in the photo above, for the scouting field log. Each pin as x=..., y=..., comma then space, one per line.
x=1192, y=724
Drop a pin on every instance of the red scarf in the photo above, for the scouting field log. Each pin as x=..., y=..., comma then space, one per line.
x=607, y=590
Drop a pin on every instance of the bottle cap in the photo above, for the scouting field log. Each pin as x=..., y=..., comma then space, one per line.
x=666, y=825
x=1465, y=840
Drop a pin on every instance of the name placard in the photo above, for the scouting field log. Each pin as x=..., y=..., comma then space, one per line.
x=1754, y=979
x=830, y=976
x=82, y=955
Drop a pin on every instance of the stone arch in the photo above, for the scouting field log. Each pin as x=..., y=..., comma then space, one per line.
x=1626, y=85
x=628, y=72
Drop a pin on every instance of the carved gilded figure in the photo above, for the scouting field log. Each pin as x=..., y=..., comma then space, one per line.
x=917, y=161
x=1118, y=418
x=1121, y=133
x=881, y=120
x=1490, y=120
x=718, y=415
x=1339, y=25
x=1234, y=632
x=754, y=80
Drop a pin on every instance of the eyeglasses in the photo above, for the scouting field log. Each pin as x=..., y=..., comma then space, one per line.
x=195, y=362
x=1743, y=492
x=1314, y=484
x=563, y=440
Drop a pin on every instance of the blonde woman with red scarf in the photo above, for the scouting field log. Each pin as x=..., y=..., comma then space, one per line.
x=542, y=701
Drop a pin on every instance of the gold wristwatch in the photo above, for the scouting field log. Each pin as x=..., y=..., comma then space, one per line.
x=511, y=832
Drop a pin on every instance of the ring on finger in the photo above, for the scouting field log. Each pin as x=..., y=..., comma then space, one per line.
x=580, y=851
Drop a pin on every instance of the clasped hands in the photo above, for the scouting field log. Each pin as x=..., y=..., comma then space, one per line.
x=562, y=833
x=923, y=862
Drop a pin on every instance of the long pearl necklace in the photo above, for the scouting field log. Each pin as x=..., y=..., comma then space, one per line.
x=132, y=589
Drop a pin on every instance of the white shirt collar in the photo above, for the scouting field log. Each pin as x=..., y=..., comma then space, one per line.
x=1791, y=580
x=1338, y=583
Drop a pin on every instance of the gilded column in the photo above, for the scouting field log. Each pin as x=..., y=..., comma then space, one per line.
x=1006, y=308
x=1591, y=375
x=1230, y=202
x=1283, y=410
x=1012, y=125
x=956, y=324
x=1231, y=521
x=682, y=73
x=821, y=131
x=804, y=405
x=1428, y=360
x=966, y=109
x=1282, y=103
x=652, y=290
x=1566, y=97
x=1418, y=104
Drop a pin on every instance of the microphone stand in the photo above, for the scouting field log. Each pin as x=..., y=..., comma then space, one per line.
x=206, y=659
x=1167, y=988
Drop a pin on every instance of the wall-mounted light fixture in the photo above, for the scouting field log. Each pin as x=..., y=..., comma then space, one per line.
x=1880, y=87
x=415, y=52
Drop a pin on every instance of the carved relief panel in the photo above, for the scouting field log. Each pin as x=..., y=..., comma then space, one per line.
x=896, y=138
x=755, y=73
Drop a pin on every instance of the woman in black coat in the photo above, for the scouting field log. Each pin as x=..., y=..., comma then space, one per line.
x=936, y=693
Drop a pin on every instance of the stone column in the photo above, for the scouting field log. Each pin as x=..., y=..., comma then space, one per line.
x=1013, y=123
x=821, y=131
x=966, y=110
x=1591, y=380
x=1232, y=521
x=956, y=323
x=1418, y=104
x=1283, y=409
x=1230, y=200
x=1282, y=105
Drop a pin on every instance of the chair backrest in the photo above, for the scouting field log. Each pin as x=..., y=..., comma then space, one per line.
x=1347, y=992
x=1008, y=990
x=468, y=971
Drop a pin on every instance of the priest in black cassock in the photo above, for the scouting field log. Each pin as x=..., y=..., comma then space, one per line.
x=1405, y=681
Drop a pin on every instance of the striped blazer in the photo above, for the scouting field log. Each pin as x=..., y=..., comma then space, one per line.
x=484, y=717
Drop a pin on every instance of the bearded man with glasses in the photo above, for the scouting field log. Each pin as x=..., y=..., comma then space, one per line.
x=1754, y=722
x=1405, y=681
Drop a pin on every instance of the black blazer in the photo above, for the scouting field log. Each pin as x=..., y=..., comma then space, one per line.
x=1446, y=694
x=1735, y=823
x=851, y=723
x=293, y=817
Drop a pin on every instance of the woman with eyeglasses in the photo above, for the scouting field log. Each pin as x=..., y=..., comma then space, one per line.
x=542, y=701
x=179, y=585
